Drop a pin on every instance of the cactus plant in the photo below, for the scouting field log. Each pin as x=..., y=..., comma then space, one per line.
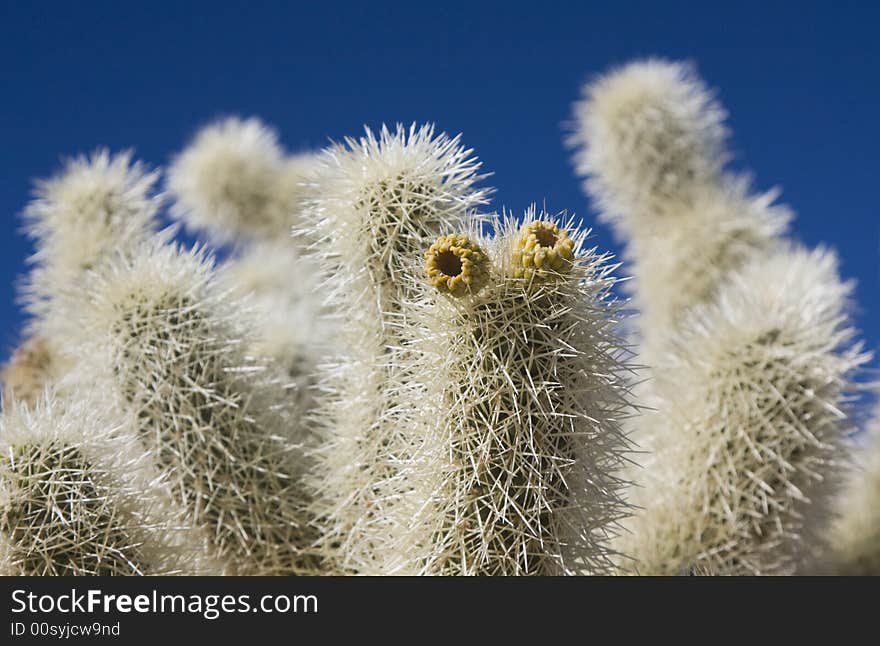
x=649, y=140
x=372, y=383
x=97, y=206
x=286, y=304
x=855, y=534
x=235, y=183
x=520, y=423
x=383, y=198
x=747, y=338
x=167, y=348
x=78, y=497
x=751, y=424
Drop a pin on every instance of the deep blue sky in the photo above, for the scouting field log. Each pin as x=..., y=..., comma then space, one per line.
x=800, y=80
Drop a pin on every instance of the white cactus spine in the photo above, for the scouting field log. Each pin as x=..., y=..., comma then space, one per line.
x=524, y=395
x=649, y=141
x=168, y=351
x=78, y=497
x=235, y=183
x=97, y=206
x=383, y=198
x=747, y=437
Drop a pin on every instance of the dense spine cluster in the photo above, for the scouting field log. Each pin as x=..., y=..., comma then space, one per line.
x=747, y=340
x=649, y=141
x=383, y=199
x=520, y=424
x=77, y=497
x=95, y=208
x=167, y=348
x=371, y=382
x=236, y=184
x=750, y=429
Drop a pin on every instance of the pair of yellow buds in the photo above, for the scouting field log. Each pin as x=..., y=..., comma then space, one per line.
x=457, y=265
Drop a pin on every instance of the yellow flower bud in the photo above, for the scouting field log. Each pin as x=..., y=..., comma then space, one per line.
x=456, y=265
x=541, y=249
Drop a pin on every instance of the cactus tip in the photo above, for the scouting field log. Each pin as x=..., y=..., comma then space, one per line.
x=456, y=265
x=541, y=249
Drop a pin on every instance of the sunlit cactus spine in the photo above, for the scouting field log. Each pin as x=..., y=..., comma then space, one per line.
x=855, y=534
x=382, y=199
x=525, y=392
x=748, y=435
x=167, y=349
x=235, y=183
x=77, y=497
x=748, y=340
x=650, y=143
x=96, y=207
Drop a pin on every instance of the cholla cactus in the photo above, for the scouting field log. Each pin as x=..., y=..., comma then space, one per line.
x=750, y=423
x=235, y=182
x=77, y=498
x=96, y=207
x=747, y=339
x=168, y=351
x=650, y=143
x=382, y=200
x=855, y=537
x=521, y=415
x=649, y=137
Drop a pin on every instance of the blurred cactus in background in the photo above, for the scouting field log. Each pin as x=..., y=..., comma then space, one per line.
x=649, y=140
x=380, y=377
x=855, y=535
x=235, y=184
x=29, y=370
x=98, y=206
x=746, y=438
x=746, y=337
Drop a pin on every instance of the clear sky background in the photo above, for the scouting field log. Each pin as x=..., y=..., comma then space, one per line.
x=800, y=81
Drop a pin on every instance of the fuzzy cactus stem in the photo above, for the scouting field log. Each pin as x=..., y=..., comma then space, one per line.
x=519, y=436
x=169, y=349
x=380, y=200
x=78, y=496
